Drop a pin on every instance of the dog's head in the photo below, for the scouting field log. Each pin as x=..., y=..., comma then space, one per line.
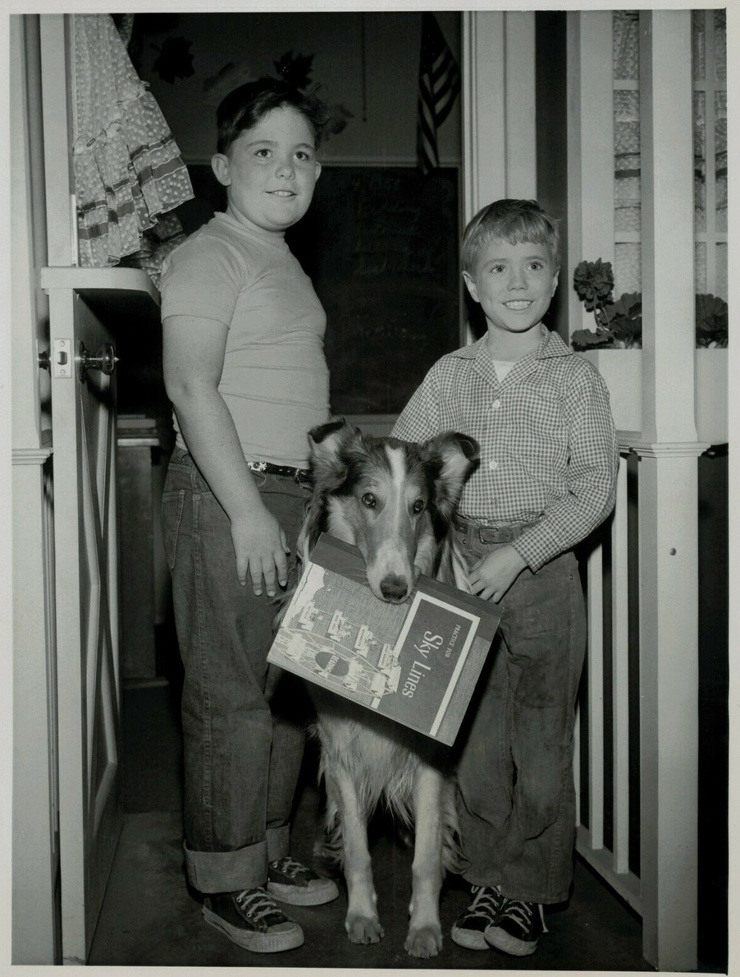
x=392, y=499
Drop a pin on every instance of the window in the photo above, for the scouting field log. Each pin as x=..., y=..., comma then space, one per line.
x=709, y=71
x=627, y=189
x=709, y=49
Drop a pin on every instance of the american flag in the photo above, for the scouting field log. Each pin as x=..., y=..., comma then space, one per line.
x=439, y=83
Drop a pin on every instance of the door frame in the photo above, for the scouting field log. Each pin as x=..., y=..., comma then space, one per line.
x=36, y=902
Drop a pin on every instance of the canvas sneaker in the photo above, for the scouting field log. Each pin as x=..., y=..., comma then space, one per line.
x=517, y=928
x=470, y=927
x=252, y=920
x=297, y=884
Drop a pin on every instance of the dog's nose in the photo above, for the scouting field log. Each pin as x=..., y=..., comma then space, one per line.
x=394, y=588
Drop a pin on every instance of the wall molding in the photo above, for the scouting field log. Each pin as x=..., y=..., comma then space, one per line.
x=32, y=456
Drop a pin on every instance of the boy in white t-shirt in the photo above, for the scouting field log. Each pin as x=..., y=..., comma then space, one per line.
x=244, y=368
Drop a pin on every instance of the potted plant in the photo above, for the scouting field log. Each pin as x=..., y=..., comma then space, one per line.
x=618, y=323
x=711, y=369
x=619, y=327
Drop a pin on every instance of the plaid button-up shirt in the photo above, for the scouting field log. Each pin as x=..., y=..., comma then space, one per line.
x=548, y=447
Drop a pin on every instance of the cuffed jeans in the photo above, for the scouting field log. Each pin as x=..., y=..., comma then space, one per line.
x=516, y=797
x=242, y=759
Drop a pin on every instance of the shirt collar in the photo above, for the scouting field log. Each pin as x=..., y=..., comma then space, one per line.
x=550, y=345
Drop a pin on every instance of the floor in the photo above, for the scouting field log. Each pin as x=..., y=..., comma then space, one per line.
x=151, y=918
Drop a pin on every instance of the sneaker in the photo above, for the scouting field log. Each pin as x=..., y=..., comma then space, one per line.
x=517, y=928
x=252, y=920
x=298, y=885
x=469, y=928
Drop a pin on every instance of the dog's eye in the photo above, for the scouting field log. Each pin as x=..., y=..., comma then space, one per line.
x=369, y=500
x=419, y=505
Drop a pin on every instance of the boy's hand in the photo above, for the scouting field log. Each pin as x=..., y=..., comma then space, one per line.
x=494, y=573
x=261, y=548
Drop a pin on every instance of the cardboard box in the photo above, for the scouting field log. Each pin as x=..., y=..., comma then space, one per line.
x=416, y=662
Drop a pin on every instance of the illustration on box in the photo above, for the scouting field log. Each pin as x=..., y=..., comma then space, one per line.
x=340, y=649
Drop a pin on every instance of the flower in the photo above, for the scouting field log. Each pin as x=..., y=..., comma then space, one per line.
x=618, y=324
x=594, y=281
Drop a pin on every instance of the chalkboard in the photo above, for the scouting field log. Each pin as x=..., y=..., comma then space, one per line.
x=381, y=247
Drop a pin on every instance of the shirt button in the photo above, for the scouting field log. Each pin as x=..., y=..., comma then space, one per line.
x=493, y=465
x=496, y=404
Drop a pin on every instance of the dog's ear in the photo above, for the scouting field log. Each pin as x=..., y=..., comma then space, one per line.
x=454, y=458
x=328, y=453
x=329, y=469
x=317, y=434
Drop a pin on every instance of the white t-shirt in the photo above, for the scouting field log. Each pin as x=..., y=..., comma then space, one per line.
x=275, y=380
x=502, y=368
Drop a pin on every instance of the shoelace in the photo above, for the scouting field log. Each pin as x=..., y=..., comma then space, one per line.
x=290, y=867
x=486, y=902
x=523, y=912
x=256, y=904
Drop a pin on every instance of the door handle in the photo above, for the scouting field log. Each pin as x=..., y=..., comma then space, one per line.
x=104, y=360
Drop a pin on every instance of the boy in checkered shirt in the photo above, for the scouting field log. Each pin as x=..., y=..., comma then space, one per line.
x=546, y=480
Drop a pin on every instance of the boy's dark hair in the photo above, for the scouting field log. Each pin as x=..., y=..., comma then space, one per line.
x=245, y=106
x=515, y=221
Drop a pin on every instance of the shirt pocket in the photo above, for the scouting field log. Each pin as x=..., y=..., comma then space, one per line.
x=538, y=435
x=173, y=504
x=541, y=412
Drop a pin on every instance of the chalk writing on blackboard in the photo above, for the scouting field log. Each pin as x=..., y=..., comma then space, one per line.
x=381, y=245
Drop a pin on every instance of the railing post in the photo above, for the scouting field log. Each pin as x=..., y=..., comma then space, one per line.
x=621, y=733
x=668, y=499
x=669, y=694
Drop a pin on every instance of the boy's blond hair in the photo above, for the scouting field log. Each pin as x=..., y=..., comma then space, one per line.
x=514, y=221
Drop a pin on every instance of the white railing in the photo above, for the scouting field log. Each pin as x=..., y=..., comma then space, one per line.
x=605, y=790
x=636, y=742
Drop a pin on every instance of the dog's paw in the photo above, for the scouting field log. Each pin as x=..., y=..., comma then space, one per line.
x=424, y=942
x=363, y=929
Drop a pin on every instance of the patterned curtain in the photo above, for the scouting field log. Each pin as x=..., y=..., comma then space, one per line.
x=127, y=167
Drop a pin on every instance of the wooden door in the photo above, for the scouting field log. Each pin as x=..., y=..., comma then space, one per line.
x=88, y=674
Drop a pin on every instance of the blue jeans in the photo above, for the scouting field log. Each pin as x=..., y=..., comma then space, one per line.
x=516, y=796
x=242, y=759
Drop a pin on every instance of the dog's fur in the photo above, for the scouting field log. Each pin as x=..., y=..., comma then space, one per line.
x=395, y=501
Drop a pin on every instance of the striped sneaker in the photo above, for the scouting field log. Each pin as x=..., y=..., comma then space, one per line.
x=470, y=927
x=252, y=920
x=298, y=885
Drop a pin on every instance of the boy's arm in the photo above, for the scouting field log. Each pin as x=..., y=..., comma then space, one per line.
x=592, y=473
x=193, y=354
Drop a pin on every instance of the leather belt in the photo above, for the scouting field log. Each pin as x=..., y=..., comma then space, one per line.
x=492, y=534
x=300, y=475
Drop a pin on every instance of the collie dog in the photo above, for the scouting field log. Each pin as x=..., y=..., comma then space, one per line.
x=394, y=501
